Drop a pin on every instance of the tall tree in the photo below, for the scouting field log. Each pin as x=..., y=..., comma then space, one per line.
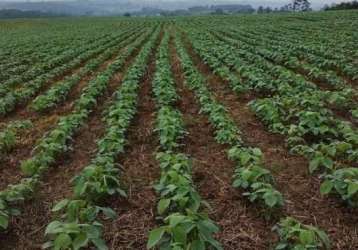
x=268, y=10
x=301, y=5
x=260, y=10
x=306, y=5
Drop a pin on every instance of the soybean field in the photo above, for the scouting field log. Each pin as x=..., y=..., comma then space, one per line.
x=180, y=133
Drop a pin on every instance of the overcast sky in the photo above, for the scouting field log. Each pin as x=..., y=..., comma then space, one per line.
x=315, y=3
x=263, y=1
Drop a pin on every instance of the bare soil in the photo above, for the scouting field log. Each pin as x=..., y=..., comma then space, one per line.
x=27, y=230
x=241, y=226
x=300, y=189
x=136, y=214
x=42, y=123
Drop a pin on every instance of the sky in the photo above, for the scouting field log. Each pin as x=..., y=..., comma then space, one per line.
x=275, y=3
x=263, y=1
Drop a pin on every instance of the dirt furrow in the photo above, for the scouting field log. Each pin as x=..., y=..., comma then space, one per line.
x=42, y=122
x=27, y=230
x=22, y=107
x=339, y=113
x=136, y=214
x=241, y=226
x=300, y=189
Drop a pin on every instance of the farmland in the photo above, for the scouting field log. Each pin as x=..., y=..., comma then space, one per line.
x=209, y=132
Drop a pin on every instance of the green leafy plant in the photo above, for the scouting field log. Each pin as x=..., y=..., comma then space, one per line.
x=97, y=181
x=8, y=136
x=74, y=236
x=294, y=235
x=179, y=207
x=355, y=113
x=175, y=186
x=343, y=182
x=170, y=127
x=78, y=226
x=13, y=195
x=250, y=173
x=190, y=231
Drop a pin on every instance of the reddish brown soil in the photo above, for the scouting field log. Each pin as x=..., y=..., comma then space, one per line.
x=344, y=114
x=27, y=231
x=42, y=122
x=300, y=189
x=241, y=226
x=136, y=214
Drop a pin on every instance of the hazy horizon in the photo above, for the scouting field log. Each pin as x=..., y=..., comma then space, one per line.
x=172, y=4
x=218, y=1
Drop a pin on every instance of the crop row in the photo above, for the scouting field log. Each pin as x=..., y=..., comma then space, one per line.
x=297, y=111
x=316, y=68
x=343, y=98
x=55, y=142
x=23, y=94
x=24, y=54
x=259, y=185
x=250, y=55
x=285, y=57
x=185, y=225
x=60, y=91
x=55, y=61
x=323, y=51
x=78, y=225
x=25, y=69
x=8, y=135
x=250, y=173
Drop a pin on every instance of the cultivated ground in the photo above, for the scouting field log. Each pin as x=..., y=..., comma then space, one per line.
x=192, y=132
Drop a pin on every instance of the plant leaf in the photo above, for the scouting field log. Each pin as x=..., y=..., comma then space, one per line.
x=4, y=222
x=63, y=241
x=100, y=244
x=352, y=188
x=163, y=205
x=80, y=241
x=60, y=205
x=52, y=227
x=155, y=236
x=307, y=237
x=326, y=187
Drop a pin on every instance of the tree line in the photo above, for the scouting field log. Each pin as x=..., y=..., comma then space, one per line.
x=13, y=13
x=294, y=6
x=342, y=6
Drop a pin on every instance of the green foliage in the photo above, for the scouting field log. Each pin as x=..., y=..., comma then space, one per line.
x=13, y=195
x=169, y=127
x=175, y=186
x=98, y=181
x=355, y=113
x=344, y=182
x=294, y=235
x=56, y=141
x=250, y=173
x=78, y=227
x=185, y=226
x=251, y=176
x=285, y=74
x=301, y=87
x=184, y=231
x=74, y=236
x=8, y=136
x=60, y=91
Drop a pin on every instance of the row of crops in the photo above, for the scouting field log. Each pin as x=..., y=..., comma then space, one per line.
x=299, y=88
